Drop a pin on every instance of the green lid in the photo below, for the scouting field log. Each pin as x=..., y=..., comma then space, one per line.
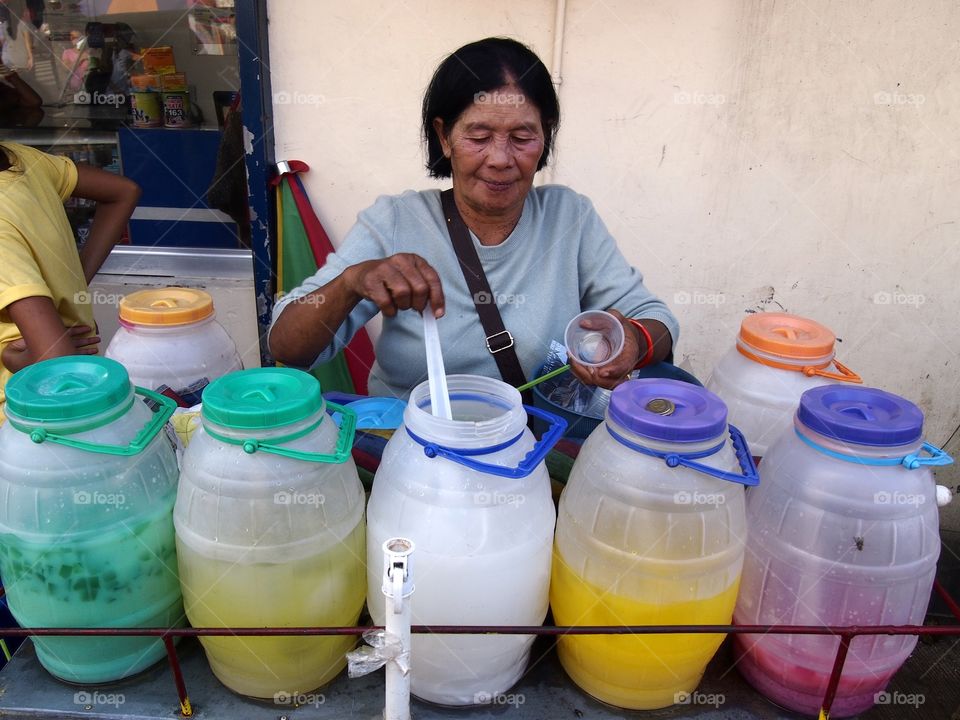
x=261, y=398
x=67, y=388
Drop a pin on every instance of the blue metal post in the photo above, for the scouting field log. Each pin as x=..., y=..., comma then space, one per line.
x=258, y=126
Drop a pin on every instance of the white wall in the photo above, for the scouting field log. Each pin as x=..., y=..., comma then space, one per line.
x=747, y=155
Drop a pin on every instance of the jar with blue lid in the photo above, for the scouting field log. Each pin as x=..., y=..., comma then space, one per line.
x=473, y=493
x=843, y=530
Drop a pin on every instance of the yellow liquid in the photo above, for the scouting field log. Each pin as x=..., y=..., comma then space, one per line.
x=324, y=589
x=640, y=672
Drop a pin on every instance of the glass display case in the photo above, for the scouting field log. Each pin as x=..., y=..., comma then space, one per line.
x=186, y=60
x=137, y=87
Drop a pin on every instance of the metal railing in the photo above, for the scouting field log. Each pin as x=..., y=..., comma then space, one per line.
x=845, y=633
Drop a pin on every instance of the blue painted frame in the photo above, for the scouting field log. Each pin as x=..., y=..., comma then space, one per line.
x=257, y=114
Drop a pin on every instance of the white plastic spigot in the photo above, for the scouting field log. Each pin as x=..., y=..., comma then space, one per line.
x=398, y=585
x=396, y=571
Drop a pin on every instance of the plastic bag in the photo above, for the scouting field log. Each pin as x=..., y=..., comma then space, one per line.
x=382, y=648
x=567, y=392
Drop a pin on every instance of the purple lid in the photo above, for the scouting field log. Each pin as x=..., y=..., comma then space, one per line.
x=669, y=410
x=861, y=415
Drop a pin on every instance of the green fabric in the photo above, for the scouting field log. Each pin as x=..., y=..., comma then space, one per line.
x=559, y=466
x=366, y=479
x=298, y=264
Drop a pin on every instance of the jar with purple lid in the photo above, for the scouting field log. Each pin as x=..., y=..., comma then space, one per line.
x=843, y=530
x=651, y=531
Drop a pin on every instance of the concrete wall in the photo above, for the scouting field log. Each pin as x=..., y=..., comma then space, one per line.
x=747, y=155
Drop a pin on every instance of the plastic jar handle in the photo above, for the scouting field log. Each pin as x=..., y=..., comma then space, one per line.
x=348, y=427
x=137, y=445
x=937, y=457
x=910, y=462
x=748, y=468
x=526, y=466
x=845, y=374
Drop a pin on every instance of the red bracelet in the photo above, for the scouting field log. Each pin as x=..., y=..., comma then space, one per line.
x=648, y=356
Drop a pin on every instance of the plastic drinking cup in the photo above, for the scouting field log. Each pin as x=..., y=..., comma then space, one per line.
x=594, y=338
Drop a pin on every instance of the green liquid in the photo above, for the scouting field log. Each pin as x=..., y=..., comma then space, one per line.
x=124, y=575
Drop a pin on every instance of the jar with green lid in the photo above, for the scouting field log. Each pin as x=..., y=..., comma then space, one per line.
x=270, y=529
x=89, y=479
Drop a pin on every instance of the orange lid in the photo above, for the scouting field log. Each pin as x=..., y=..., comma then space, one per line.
x=787, y=336
x=166, y=306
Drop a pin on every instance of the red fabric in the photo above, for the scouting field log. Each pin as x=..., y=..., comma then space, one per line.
x=365, y=460
x=296, y=166
x=319, y=240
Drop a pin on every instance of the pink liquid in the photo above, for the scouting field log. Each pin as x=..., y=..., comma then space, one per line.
x=802, y=688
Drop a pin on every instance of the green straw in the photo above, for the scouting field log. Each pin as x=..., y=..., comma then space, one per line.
x=537, y=381
x=6, y=652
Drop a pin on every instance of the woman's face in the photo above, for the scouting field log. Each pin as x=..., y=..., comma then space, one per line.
x=494, y=148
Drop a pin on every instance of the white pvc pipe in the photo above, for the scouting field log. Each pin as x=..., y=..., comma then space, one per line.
x=559, y=20
x=397, y=586
x=556, y=64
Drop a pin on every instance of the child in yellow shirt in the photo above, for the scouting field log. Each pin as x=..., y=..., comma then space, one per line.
x=45, y=309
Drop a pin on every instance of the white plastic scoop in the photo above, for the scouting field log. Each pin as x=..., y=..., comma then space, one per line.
x=439, y=397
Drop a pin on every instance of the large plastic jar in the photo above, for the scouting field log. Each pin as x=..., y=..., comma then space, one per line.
x=270, y=530
x=88, y=479
x=474, y=496
x=651, y=531
x=843, y=530
x=170, y=341
x=776, y=359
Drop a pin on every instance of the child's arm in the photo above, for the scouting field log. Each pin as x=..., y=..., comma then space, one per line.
x=116, y=198
x=44, y=335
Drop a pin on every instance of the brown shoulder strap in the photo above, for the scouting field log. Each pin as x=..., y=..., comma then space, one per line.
x=499, y=339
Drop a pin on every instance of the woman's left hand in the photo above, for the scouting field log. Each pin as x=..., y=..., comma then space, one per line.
x=616, y=371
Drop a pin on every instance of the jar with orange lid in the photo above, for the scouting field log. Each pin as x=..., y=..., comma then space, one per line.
x=777, y=358
x=169, y=340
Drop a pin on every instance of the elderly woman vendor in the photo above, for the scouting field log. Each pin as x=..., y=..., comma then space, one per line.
x=490, y=117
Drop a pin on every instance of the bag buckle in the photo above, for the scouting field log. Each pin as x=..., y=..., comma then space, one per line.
x=508, y=342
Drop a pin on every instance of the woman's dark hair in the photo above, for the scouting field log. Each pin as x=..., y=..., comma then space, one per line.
x=480, y=67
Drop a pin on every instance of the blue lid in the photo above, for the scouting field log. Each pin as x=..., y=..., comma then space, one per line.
x=378, y=413
x=861, y=415
x=668, y=410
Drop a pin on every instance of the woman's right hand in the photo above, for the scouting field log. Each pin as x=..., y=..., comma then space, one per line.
x=307, y=325
x=404, y=281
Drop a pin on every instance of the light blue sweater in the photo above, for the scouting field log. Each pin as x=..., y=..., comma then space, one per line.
x=558, y=261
